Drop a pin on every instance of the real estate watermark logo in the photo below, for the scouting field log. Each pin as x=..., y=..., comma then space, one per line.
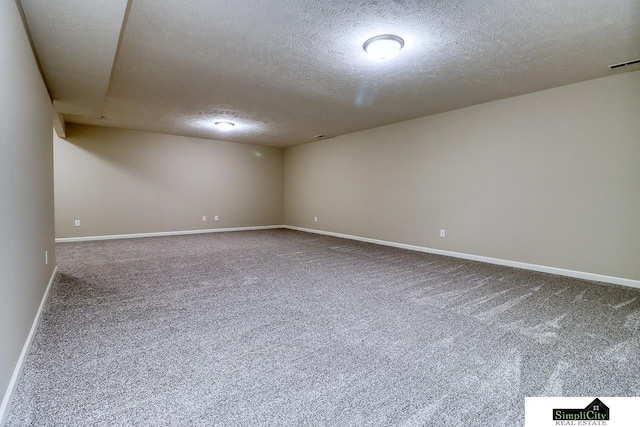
x=611, y=411
x=595, y=413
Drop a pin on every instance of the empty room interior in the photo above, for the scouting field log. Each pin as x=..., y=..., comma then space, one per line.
x=324, y=213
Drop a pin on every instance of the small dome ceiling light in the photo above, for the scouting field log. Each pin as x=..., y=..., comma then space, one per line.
x=224, y=125
x=384, y=46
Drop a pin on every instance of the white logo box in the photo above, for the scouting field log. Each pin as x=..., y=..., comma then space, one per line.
x=623, y=411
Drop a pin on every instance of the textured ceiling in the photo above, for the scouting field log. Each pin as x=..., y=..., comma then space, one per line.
x=288, y=70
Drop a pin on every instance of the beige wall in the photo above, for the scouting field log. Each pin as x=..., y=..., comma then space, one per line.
x=121, y=182
x=550, y=178
x=26, y=189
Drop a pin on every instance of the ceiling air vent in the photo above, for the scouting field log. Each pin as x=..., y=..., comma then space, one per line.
x=624, y=64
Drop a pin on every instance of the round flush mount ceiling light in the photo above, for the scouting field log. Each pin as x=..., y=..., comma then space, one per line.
x=384, y=46
x=224, y=125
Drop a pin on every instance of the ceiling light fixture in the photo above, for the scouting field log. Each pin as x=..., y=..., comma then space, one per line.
x=384, y=46
x=224, y=125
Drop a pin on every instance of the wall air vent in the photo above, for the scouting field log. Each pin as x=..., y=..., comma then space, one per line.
x=624, y=64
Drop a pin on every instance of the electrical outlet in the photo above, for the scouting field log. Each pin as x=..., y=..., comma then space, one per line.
x=204, y=219
x=77, y=223
x=215, y=218
x=315, y=219
x=46, y=257
x=442, y=233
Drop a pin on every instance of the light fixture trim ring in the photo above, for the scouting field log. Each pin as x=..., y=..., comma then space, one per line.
x=224, y=125
x=374, y=39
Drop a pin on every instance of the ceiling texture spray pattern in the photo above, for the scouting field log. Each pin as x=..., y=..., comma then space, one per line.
x=285, y=71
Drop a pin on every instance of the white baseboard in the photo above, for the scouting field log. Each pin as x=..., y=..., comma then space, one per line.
x=165, y=233
x=517, y=264
x=8, y=395
x=553, y=270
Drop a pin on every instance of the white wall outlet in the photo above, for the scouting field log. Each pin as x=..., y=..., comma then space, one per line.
x=46, y=257
x=77, y=223
x=215, y=218
x=315, y=219
x=442, y=233
x=204, y=219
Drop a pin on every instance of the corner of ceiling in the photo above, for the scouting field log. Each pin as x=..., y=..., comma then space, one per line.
x=57, y=33
x=27, y=30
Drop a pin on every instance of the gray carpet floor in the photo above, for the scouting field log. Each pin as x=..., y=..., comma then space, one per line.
x=274, y=328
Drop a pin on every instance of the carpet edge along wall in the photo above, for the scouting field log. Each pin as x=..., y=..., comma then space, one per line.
x=509, y=263
x=278, y=327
